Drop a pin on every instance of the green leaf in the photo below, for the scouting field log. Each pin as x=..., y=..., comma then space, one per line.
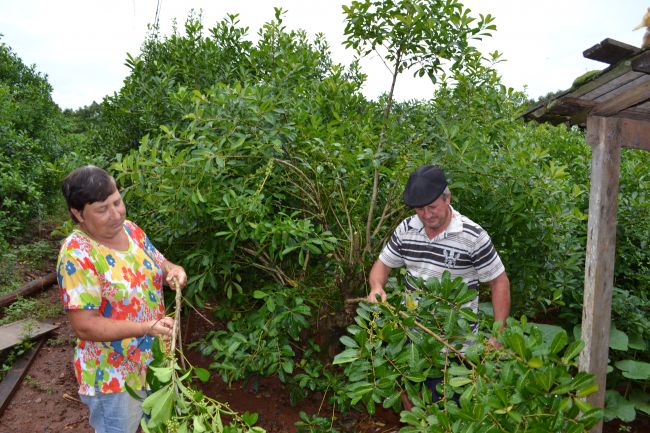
x=287, y=366
x=459, y=370
x=618, y=340
x=459, y=381
x=250, y=418
x=202, y=374
x=637, y=342
x=573, y=350
x=588, y=390
x=544, y=379
x=270, y=304
x=637, y=370
x=518, y=344
x=163, y=374
x=576, y=383
x=348, y=342
x=559, y=342
x=258, y=294
x=616, y=406
x=348, y=355
x=582, y=405
x=132, y=392
x=197, y=424
x=159, y=405
x=391, y=400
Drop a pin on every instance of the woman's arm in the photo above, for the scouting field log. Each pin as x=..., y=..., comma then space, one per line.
x=90, y=325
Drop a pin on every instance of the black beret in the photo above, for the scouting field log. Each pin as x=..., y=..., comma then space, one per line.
x=424, y=186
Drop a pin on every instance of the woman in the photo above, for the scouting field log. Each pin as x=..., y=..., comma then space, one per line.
x=110, y=278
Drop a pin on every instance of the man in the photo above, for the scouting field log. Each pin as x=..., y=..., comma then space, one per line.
x=438, y=239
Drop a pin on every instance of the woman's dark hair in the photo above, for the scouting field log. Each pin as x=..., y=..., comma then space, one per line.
x=87, y=185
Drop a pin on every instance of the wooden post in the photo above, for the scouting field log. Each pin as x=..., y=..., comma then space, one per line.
x=603, y=135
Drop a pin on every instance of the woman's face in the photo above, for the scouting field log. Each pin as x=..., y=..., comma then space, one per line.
x=103, y=219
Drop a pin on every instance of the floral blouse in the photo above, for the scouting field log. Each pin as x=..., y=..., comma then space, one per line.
x=122, y=285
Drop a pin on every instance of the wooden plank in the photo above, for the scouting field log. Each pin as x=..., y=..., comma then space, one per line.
x=634, y=133
x=610, y=51
x=603, y=135
x=616, y=86
x=13, y=378
x=568, y=106
x=633, y=96
x=15, y=332
x=635, y=114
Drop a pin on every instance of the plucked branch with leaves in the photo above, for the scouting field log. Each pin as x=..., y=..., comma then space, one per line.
x=529, y=384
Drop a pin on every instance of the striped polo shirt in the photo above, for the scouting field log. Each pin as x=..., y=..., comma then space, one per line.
x=464, y=249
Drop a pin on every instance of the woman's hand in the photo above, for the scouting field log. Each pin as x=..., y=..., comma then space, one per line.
x=160, y=328
x=172, y=272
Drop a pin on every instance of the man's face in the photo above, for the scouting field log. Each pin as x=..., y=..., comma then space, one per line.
x=435, y=215
x=103, y=219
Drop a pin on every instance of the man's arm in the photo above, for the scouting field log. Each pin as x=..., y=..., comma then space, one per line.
x=500, y=287
x=378, y=278
x=90, y=325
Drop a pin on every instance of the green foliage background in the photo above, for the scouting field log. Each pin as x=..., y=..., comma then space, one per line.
x=258, y=164
x=29, y=139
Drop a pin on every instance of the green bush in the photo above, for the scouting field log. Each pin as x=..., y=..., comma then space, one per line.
x=529, y=384
x=262, y=341
x=261, y=164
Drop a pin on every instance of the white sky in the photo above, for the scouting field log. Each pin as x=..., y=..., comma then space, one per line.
x=81, y=44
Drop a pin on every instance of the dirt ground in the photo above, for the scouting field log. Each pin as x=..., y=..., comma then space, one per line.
x=47, y=399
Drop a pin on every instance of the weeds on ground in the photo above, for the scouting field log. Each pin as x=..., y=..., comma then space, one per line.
x=32, y=308
x=9, y=281
x=15, y=352
x=38, y=385
x=61, y=340
x=15, y=261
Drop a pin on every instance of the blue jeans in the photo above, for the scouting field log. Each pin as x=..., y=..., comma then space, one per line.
x=114, y=413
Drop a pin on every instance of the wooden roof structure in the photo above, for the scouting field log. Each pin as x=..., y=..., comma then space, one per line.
x=621, y=90
x=614, y=107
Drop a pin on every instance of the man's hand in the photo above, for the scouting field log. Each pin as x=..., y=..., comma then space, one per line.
x=377, y=280
x=372, y=297
x=493, y=344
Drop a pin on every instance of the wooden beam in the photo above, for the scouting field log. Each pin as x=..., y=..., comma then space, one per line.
x=630, y=98
x=603, y=135
x=29, y=289
x=634, y=133
x=610, y=51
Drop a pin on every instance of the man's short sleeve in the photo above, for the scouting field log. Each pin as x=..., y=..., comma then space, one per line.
x=391, y=255
x=486, y=260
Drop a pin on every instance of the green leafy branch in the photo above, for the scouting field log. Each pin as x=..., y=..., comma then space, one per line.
x=528, y=384
x=174, y=405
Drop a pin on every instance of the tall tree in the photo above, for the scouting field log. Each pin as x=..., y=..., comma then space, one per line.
x=425, y=36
